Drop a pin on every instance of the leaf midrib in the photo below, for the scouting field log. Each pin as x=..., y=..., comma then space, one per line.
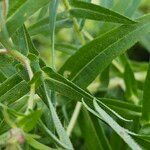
x=106, y=15
x=104, y=52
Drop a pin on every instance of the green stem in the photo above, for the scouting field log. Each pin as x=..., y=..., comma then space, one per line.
x=75, y=23
x=87, y=34
x=74, y=118
x=26, y=62
x=7, y=119
x=53, y=12
x=82, y=40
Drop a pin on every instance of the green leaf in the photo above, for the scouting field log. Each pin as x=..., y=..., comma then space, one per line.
x=145, y=42
x=59, y=128
x=19, y=40
x=22, y=12
x=52, y=18
x=35, y=144
x=116, y=127
x=42, y=12
x=95, y=12
x=70, y=90
x=49, y=133
x=82, y=23
x=132, y=8
x=131, y=84
x=96, y=139
x=127, y=7
x=23, y=42
x=42, y=26
x=6, y=65
x=102, y=50
x=30, y=44
x=104, y=79
x=66, y=48
x=123, y=108
x=15, y=93
x=146, y=100
x=14, y=5
x=28, y=122
x=53, y=13
x=9, y=83
x=2, y=77
x=4, y=37
x=106, y=3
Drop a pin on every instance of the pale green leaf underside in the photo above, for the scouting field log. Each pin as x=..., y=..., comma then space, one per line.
x=60, y=84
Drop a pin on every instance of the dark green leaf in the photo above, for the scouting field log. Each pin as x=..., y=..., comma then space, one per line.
x=102, y=50
x=95, y=12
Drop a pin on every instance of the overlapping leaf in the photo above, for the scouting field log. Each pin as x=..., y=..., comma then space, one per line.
x=95, y=12
x=95, y=56
x=21, y=13
x=60, y=84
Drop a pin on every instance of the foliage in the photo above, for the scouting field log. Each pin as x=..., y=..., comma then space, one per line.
x=67, y=80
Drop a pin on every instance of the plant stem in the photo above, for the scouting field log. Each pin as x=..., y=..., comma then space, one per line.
x=53, y=12
x=26, y=62
x=87, y=34
x=75, y=23
x=82, y=40
x=74, y=118
x=5, y=7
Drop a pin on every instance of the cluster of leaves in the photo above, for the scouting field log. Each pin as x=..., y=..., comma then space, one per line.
x=101, y=96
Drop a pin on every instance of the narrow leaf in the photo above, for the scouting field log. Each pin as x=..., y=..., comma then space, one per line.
x=28, y=122
x=59, y=128
x=17, y=18
x=146, y=99
x=116, y=127
x=95, y=12
x=102, y=50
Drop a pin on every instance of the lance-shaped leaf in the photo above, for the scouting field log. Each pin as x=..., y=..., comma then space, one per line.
x=2, y=77
x=146, y=100
x=9, y=83
x=28, y=122
x=35, y=144
x=52, y=136
x=66, y=48
x=131, y=84
x=20, y=42
x=69, y=89
x=22, y=12
x=59, y=128
x=42, y=26
x=127, y=7
x=96, y=139
x=15, y=93
x=23, y=42
x=91, y=59
x=53, y=13
x=95, y=12
x=82, y=23
x=116, y=127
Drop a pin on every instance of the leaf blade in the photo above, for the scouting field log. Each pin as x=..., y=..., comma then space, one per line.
x=100, y=52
